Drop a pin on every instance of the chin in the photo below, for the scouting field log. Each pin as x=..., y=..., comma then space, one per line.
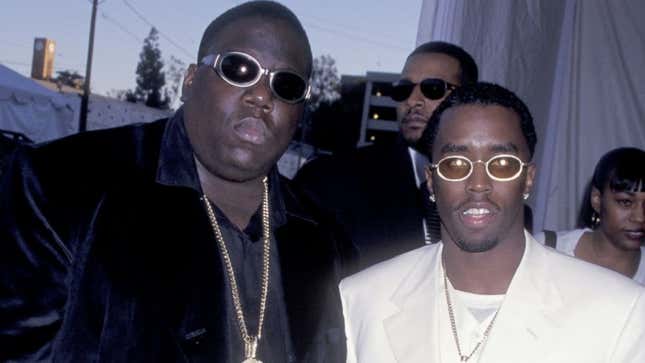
x=476, y=246
x=411, y=136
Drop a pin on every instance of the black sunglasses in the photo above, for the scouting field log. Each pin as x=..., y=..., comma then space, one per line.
x=432, y=88
x=243, y=70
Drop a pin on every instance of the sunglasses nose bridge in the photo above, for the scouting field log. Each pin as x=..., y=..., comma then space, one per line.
x=479, y=178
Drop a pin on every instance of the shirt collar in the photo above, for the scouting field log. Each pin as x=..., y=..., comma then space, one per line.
x=177, y=166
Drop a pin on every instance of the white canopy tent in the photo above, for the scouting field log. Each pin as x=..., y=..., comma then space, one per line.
x=579, y=67
x=31, y=109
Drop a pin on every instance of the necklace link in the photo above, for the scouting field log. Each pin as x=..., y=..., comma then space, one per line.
x=453, y=324
x=250, y=342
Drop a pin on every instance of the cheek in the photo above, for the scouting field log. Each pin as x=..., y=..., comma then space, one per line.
x=401, y=110
x=430, y=106
x=286, y=118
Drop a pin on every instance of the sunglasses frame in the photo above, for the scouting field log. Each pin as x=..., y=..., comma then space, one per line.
x=434, y=167
x=447, y=86
x=215, y=61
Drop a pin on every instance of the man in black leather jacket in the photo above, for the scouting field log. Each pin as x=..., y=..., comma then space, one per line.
x=159, y=242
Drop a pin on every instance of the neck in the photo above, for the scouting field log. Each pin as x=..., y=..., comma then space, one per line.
x=237, y=200
x=487, y=273
x=599, y=250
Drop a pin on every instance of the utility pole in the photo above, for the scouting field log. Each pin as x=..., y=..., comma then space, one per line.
x=82, y=124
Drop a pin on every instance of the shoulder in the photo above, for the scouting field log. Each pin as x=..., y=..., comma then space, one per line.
x=99, y=149
x=581, y=280
x=566, y=241
x=382, y=279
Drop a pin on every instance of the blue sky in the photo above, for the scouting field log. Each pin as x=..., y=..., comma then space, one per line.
x=361, y=35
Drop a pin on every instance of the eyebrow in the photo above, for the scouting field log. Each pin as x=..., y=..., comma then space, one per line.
x=453, y=148
x=497, y=148
x=505, y=148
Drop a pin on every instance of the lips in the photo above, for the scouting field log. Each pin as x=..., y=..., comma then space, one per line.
x=415, y=120
x=252, y=130
x=636, y=235
x=477, y=215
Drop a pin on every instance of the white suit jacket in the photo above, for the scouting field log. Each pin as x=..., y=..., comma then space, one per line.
x=557, y=309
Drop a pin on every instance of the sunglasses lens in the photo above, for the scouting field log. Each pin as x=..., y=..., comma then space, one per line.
x=433, y=88
x=454, y=168
x=401, y=90
x=289, y=86
x=504, y=167
x=239, y=69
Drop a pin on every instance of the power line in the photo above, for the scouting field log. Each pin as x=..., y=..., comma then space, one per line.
x=106, y=17
x=344, y=27
x=163, y=35
x=358, y=37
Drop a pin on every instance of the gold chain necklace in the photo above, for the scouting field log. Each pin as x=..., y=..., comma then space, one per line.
x=250, y=342
x=453, y=325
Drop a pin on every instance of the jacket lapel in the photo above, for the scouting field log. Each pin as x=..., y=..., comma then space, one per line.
x=412, y=331
x=527, y=322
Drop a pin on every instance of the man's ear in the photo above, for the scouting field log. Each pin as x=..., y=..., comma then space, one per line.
x=428, y=172
x=595, y=198
x=530, y=178
x=186, y=86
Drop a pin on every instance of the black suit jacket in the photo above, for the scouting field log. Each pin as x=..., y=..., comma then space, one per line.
x=101, y=261
x=374, y=194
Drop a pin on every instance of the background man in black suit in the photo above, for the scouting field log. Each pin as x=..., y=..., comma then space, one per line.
x=374, y=191
x=177, y=241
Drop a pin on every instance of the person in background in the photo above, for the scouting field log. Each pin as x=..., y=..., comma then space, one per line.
x=612, y=217
x=375, y=190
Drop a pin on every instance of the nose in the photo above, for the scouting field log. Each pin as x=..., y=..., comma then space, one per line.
x=638, y=213
x=259, y=96
x=416, y=99
x=478, y=181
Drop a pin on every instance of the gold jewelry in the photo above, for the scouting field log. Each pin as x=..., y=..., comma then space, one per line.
x=250, y=342
x=453, y=325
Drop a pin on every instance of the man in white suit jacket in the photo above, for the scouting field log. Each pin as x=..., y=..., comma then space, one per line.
x=489, y=292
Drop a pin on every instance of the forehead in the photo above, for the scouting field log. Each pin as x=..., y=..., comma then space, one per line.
x=481, y=128
x=431, y=65
x=273, y=42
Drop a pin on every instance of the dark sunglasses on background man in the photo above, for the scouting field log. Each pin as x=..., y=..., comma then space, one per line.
x=243, y=70
x=431, y=88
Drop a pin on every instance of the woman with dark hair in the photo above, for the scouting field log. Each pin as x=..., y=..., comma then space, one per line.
x=612, y=217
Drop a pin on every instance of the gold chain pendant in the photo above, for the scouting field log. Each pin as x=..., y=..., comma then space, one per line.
x=250, y=342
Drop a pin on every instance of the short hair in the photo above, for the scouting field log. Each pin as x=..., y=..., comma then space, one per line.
x=264, y=10
x=622, y=170
x=468, y=72
x=480, y=93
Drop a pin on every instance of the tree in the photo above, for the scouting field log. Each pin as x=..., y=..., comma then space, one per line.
x=69, y=78
x=324, y=100
x=325, y=82
x=151, y=78
x=175, y=71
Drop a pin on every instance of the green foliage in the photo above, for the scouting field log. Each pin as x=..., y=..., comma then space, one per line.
x=151, y=78
x=69, y=78
x=325, y=82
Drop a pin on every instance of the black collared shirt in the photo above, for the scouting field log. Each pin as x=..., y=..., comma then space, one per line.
x=177, y=167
